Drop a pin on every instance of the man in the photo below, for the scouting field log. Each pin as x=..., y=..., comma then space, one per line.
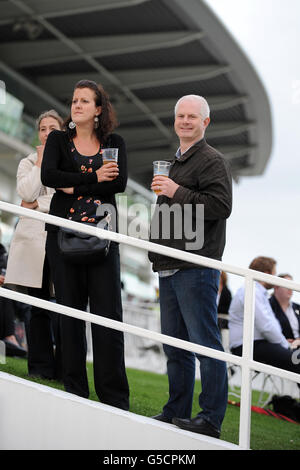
x=199, y=176
x=286, y=312
x=270, y=345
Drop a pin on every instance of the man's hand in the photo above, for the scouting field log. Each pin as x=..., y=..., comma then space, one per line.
x=107, y=172
x=2, y=279
x=163, y=185
x=29, y=205
x=295, y=344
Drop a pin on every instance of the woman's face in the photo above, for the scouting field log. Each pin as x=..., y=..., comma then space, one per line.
x=84, y=109
x=47, y=125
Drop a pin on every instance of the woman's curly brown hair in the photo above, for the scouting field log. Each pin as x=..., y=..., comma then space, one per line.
x=107, y=119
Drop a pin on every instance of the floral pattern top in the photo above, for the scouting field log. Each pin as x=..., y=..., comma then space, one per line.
x=85, y=207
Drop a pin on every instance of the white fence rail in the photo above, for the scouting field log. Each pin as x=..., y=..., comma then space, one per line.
x=246, y=361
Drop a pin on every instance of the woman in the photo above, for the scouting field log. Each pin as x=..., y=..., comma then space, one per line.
x=73, y=165
x=7, y=315
x=27, y=265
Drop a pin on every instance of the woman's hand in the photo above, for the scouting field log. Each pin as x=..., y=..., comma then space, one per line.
x=66, y=190
x=40, y=153
x=29, y=205
x=107, y=172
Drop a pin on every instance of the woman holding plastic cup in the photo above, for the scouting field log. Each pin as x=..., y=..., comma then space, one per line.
x=74, y=164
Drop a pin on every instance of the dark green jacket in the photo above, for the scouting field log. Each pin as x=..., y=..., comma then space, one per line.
x=204, y=178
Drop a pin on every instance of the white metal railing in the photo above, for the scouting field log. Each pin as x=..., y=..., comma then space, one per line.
x=246, y=361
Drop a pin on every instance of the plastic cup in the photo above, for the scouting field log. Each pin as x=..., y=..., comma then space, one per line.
x=110, y=155
x=161, y=168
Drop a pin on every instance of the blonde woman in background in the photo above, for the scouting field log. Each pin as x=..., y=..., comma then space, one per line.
x=27, y=264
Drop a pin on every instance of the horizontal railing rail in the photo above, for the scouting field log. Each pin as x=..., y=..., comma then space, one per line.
x=146, y=245
x=246, y=361
x=117, y=325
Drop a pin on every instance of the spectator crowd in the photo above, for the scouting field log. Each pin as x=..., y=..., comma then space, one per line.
x=68, y=176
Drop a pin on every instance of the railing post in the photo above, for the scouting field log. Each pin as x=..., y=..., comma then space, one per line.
x=246, y=386
x=2, y=352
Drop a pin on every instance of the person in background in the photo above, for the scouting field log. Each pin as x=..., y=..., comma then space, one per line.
x=7, y=315
x=27, y=266
x=224, y=300
x=270, y=345
x=73, y=165
x=286, y=311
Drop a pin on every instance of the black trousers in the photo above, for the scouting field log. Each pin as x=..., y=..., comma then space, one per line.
x=44, y=345
x=7, y=317
x=23, y=313
x=9, y=311
x=273, y=354
x=99, y=285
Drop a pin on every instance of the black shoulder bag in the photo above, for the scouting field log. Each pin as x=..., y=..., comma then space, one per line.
x=81, y=248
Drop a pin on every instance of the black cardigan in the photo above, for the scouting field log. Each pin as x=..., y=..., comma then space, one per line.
x=59, y=170
x=283, y=319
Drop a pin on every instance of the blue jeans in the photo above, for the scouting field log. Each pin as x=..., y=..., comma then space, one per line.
x=188, y=302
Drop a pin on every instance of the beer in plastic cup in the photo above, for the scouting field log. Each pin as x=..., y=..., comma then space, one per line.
x=161, y=168
x=110, y=155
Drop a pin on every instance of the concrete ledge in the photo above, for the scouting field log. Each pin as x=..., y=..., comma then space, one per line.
x=37, y=417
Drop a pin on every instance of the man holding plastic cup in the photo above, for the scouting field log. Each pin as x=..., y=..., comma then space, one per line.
x=160, y=170
x=199, y=178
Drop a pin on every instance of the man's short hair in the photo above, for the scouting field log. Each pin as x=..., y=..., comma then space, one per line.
x=263, y=264
x=283, y=275
x=204, y=107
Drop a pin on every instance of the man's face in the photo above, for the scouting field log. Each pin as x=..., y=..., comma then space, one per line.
x=273, y=273
x=189, y=124
x=282, y=293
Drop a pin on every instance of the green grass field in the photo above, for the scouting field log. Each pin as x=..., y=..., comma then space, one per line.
x=149, y=392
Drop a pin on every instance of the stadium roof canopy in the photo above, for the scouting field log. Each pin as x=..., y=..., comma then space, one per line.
x=147, y=54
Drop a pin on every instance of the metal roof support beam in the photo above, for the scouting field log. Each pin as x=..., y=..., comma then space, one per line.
x=52, y=51
x=137, y=79
x=198, y=14
x=57, y=8
x=164, y=108
x=15, y=144
x=99, y=68
x=62, y=84
x=34, y=88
